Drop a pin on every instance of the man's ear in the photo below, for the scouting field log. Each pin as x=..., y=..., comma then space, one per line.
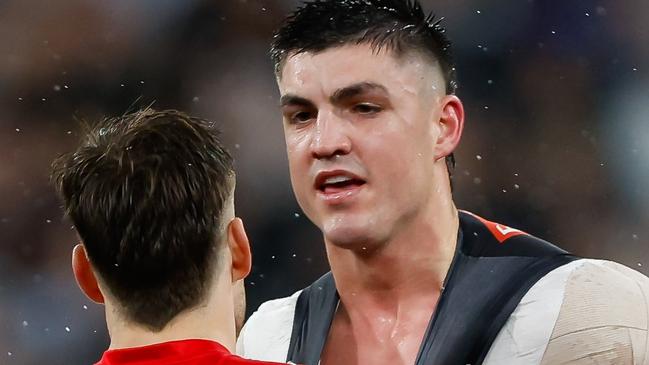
x=84, y=275
x=451, y=123
x=239, y=250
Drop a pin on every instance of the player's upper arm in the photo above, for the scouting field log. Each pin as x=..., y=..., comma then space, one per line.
x=267, y=333
x=603, y=319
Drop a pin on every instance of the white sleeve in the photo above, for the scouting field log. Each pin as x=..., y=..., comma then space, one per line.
x=585, y=312
x=267, y=333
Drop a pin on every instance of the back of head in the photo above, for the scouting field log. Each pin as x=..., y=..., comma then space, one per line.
x=146, y=193
x=400, y=26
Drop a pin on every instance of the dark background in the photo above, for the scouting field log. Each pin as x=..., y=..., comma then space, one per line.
x=556, y=141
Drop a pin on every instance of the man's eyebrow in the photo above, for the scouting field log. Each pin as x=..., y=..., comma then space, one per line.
x=291, y=99
x=355, y=90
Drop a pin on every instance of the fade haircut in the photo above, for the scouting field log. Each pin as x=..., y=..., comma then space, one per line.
x=399, y=26
x=146, y=193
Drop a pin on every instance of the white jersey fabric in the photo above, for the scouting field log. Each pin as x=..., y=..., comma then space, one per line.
x=585, y=312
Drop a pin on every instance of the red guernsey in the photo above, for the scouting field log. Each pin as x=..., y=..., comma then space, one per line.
x=186, y=352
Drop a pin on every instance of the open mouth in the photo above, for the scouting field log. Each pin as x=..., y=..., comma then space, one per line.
x=336, y=183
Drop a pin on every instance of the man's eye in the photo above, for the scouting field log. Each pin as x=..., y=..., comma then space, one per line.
x=301, y=117
x=365, y=108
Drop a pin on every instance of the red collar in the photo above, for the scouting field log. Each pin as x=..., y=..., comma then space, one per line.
x=163, y=353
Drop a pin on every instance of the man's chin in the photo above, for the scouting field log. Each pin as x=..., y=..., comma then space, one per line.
x=351, y=237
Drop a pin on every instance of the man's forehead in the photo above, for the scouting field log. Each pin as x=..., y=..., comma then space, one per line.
x=338, y=67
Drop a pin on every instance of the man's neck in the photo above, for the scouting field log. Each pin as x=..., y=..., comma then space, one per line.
x=413, y=262
x=207, y=322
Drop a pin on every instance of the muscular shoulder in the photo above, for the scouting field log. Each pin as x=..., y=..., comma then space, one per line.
x=588, y=310
x=603, y=317
x=267, y=333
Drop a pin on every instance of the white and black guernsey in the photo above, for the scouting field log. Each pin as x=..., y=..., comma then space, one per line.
x=494, y=266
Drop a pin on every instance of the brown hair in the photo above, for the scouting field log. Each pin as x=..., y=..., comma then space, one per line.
x=146, y=192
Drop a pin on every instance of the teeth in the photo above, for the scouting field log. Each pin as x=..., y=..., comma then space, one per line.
x=337, y=179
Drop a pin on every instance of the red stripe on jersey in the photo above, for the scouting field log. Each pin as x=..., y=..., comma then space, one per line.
x=500, y=231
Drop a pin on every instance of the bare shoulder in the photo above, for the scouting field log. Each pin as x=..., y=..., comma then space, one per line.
x=603, y=317
x=267, y=333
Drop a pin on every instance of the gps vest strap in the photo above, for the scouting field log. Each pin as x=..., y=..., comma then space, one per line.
x=494, y=266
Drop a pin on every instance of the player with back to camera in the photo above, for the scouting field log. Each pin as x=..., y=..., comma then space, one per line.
x=151, y=195
x=371, y=120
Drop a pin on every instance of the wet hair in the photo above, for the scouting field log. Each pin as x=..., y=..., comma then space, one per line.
x=400, y=26
x=146, y=193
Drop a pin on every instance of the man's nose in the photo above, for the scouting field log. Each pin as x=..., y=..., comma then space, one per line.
x=331, y=136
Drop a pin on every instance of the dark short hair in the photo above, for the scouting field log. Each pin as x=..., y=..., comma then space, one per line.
x=397, y=25
x=146, y=193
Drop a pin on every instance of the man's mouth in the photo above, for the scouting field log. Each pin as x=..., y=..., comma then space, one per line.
x=336, y=185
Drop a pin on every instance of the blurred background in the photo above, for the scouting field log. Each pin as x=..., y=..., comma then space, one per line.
x=556, y=140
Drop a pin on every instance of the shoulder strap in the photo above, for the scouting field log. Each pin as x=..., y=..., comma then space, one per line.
x=314, y=312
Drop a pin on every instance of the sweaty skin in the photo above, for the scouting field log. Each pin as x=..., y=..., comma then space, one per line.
x=391, y=235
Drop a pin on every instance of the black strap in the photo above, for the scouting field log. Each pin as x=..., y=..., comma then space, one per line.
x=314, y=312
x=481, y=296
x=509, y=299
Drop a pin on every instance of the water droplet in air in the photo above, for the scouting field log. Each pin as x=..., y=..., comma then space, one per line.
x=635, y=236
x=142, y=82
x=296, y=215
x=57, y=88
x=237, y=146
x=65, y=86
x=48, y=221
x=504, y=190
x=25, y=324
x=553, y=32
x=516, y=186
x=9, y=353
x=85, y=307
x=195, y=99
x=478, y=157
x=294, y=255
x=43, y=99
x=486, y=107
x=20, y=99
x=477, y=11
x=477, y=180
x=490, y=82
x=635, y=69
x=121, y=85
x=587, y=14
x=17, y=129
x=639, y=264
x=67, y=329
